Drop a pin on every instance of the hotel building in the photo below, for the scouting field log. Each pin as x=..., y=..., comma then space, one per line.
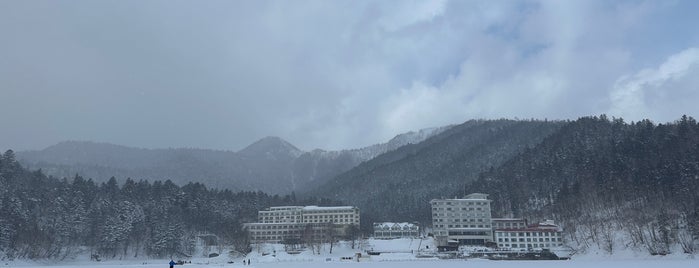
x=464, y=221
x=289, y=223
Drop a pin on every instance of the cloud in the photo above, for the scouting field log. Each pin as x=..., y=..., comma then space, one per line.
x=409, y=13
x=668, y=90
x=322, y=74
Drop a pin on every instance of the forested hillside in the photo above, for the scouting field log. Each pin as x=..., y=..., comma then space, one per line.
x=608, y=182
x=398, y=185
x=44, y=217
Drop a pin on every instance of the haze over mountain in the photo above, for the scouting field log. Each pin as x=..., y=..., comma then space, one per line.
x=270, y=164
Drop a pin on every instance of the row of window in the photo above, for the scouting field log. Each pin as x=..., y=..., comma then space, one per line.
x=280, y=212
x=463, y=226
x=449, y=203
x=329, y=216
x=260, y=227
x=272, y=238
x=392, y=233
x=341, y=221
x=529, y=239
x=275, y=232
x=509, y=224
x=350, y=211
x=462, y=209
x=541, y=245
x=472, y=233
x=461, y=220
x=396, y=228
x=527, y=234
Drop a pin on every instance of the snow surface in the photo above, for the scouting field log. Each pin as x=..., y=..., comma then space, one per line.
x=395, y=253
x=674, y=263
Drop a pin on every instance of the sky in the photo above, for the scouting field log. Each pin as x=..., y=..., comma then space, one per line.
x=332, y=74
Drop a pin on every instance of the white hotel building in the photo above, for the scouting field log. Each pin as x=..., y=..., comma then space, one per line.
x=465, y=221
x=277, y=224
x=544, y=235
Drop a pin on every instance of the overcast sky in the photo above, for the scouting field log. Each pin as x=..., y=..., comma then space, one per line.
x=332, y=74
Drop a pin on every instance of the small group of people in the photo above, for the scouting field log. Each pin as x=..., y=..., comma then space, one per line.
x=172, y=263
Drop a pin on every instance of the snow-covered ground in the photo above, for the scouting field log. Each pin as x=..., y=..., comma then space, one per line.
x=674, y=263
x=395, y=253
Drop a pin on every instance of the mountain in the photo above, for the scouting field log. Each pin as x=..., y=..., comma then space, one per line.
x=610, y=184
x=397, y=185
x=270, y=164
x=318, y=166
x=271, y=147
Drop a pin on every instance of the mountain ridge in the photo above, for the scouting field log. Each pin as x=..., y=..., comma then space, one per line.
x=270, y=164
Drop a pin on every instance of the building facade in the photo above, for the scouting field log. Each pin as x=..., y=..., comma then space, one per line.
x=391, y=230
x=544, y=235
x=465, y=221
x=293, y=223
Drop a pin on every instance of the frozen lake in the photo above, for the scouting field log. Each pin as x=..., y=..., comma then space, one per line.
x=673, y=263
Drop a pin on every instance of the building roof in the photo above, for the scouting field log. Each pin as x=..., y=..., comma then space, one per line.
x=473, y=196
x=393, y=224
x=545, y=226
x=283, y=208
x=327, y=208
x=306, y=208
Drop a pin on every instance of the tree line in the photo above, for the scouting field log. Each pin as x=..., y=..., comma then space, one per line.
x=47, y=217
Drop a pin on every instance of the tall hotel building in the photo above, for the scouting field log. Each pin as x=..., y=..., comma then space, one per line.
x=465, y=221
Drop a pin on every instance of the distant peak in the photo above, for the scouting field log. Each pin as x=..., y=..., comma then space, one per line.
x=272, y=139
x=271, y=144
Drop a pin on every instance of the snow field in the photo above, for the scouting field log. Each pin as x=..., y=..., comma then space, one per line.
x=274, y=256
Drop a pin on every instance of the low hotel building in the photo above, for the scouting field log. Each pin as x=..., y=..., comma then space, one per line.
x=391, y=230
x=544, y=235
x=293, y=223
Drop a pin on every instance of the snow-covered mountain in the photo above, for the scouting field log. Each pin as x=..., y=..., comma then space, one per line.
x=318, y=166
x=270, y=164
